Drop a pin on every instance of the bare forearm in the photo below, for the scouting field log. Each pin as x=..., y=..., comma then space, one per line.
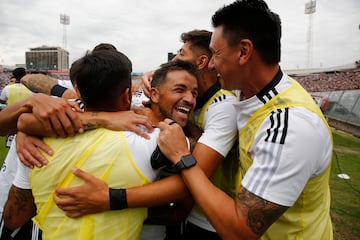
x=39, y=83
x=9, y=117
x=69, y=94
x=161, y=192
x=30, y=125
x=19, y=207
x=92, y=120
x=210, y=199
x=246, y=217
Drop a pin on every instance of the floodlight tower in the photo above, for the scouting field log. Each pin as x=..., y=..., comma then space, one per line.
x=310, y=9
x=64, y=20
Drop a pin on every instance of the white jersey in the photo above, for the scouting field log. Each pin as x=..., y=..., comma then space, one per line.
x=140, y=150
x=66, y=83
x=7, y=174
x=138, y=98
x=280, y=171
x=4, y=93
x=220, y=133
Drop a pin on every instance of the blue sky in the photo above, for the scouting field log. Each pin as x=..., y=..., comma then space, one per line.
x=147, y=30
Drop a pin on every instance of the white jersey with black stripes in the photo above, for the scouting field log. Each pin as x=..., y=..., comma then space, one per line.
x=284, y=157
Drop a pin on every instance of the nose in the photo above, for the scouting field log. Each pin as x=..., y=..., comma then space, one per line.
x=175, y=57
x=189, y=98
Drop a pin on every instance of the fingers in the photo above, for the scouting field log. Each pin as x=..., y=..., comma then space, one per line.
x=24, y=161
x=83, y=175
x=139, y=131
x=142, y=121
x=43, y=146
x=171, y=140
x=75, y=214
x=27, y=148
x=63, y=120
x=74, y=116
x=166, y=123
x=69, y=205
x=146, y=82
x=68, y=192
x=57, y=125
x=41, y=160
x=63, y=203
x=57, y=114
x=29, y=160
x=72, y=123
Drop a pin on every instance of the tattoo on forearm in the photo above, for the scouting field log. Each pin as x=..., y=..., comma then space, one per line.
x=260, y=213
x=41, y=83
x=20, y=204
x=91, y=124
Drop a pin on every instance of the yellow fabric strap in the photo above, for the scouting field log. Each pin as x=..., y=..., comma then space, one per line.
x=16, y=93
x=87, y=222
x=302, y=220
x=104, y=154
x=227, y=169
x=274, y=104
x=200, y=122
x=294, y=96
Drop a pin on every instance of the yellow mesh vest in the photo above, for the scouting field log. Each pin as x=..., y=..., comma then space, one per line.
x=17, y=92
x=309, y=218
x=225, y=175
x=104, y=154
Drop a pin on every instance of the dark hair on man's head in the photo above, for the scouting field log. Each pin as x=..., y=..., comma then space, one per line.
x=104, y=46
x=18, y=73
x=199, y=39
x=160, y=74
x=102, y=76
x=253, y=20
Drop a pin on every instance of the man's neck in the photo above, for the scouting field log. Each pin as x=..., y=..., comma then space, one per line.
x=259, y=79
x=152, y=112
x=206, y=80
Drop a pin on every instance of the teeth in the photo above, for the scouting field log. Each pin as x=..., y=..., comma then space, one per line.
x=183, y=109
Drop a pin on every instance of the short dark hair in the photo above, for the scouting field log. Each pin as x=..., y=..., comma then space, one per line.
x=102, y=76
x=253, y=20
x=160, y=74
x=104, y=46
x=199, y=39
x=18, y=73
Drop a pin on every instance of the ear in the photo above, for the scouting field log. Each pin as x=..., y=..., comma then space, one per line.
x=126, y=97
x=154, y=95
x=246, y=49
x=77, y=90
x=202, y=62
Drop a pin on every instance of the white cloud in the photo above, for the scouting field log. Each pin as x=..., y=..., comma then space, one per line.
x=147, y=30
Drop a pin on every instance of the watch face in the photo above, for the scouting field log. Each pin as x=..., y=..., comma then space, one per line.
x=188, y=161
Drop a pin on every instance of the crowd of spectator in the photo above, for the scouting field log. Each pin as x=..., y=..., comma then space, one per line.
x=4, y=79
x=323, y=82
x=315, y=82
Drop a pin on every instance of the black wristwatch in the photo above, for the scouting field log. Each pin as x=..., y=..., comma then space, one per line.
x=186, y=161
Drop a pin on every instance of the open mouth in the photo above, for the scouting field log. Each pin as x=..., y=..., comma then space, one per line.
x=184, y=110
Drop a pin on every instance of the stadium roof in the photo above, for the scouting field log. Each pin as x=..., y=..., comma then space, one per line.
x=306, y=71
